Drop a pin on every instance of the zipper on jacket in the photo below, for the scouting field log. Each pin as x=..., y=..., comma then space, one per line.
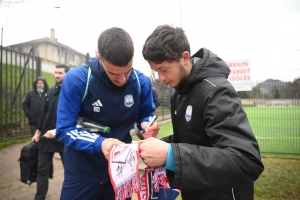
x=232, y=194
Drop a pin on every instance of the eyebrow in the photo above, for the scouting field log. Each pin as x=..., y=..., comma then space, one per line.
x=161, y=67
x=120, y=74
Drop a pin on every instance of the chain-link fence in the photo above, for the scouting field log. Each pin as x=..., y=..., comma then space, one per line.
x=272, y=107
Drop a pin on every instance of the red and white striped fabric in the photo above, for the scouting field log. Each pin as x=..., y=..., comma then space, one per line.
x=124, y=175
x=123, y=170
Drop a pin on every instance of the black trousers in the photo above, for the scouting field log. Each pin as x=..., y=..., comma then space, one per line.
x=33, y=129
x=45, y=165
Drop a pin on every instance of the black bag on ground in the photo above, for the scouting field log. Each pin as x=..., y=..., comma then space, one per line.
x=29, y=163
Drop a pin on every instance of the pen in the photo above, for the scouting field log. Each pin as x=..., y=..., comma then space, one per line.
x=150, y=123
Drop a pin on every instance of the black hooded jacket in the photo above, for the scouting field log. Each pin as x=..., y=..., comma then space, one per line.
x=48, y=122
x=33, y=102
x=215, y=152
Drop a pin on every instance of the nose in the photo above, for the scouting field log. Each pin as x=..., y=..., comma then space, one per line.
x=161, y=77
x=121, y=78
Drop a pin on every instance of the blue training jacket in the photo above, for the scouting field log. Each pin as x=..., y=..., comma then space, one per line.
x=105, y=104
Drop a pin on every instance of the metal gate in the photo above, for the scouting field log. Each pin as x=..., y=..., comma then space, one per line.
x=18, y=72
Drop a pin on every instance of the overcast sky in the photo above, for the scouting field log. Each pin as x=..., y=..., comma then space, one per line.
x=267, y=32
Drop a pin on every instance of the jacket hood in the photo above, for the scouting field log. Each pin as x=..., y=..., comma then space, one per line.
x=205, y=64
x=95, y=66
x=40, y=78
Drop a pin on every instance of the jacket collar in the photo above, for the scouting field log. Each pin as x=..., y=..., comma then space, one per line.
x=205, y=64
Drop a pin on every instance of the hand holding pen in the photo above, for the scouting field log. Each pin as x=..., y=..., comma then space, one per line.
x=151, y=128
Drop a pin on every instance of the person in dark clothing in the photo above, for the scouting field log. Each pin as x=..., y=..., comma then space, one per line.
x=154, y=94
x=34, y=101
x=213, y=153
x=45, y=134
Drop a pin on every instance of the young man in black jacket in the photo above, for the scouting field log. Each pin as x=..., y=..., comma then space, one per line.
x=213, y=153
x=33, y=102
x=44, y=135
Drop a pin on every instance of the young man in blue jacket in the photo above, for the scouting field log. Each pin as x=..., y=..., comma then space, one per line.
x=109, y=92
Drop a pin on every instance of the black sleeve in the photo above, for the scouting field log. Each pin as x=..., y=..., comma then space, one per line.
x=43, y=115
x=26, y=105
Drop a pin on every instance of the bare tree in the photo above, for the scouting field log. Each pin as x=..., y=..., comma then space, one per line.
x=10, y=3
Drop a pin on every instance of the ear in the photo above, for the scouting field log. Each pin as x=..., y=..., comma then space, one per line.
x=98, y=56
x=185, y=58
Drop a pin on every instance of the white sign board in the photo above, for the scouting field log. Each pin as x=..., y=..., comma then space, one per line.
x=240, y=74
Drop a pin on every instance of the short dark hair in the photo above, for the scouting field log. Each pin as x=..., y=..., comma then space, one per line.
x=165, y=43
x=63, y=66
x=115, y=45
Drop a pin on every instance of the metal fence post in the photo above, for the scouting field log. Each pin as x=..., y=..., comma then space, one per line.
x=38, y=67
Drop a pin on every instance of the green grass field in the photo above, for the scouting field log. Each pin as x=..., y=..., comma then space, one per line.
x=277, y=129
x=11, y=77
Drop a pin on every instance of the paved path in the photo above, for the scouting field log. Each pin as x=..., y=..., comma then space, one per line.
x=11, y=188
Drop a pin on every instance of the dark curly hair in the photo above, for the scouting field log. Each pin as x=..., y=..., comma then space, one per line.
x=165, y=43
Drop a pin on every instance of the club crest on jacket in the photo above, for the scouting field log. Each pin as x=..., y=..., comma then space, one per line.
x=128, y=101
x=188, y=113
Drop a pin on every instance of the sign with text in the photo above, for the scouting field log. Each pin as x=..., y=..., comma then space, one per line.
x=240, y=74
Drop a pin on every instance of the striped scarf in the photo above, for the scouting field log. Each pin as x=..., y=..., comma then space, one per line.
x=124, y=175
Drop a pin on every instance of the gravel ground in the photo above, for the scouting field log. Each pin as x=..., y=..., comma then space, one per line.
x=11, y=187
